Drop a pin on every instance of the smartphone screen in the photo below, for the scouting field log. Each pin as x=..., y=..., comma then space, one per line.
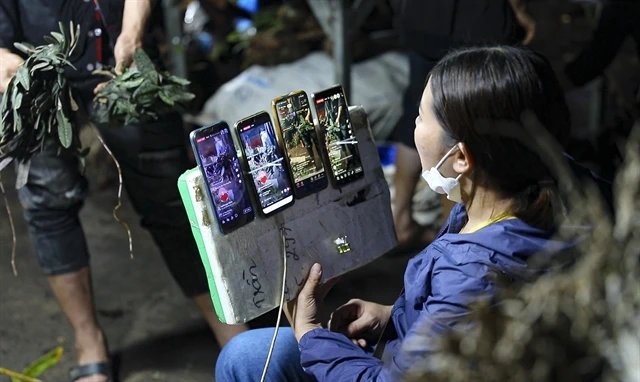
x=301, y=143
x=220, y=166
x=339, y=137
x=265, y=162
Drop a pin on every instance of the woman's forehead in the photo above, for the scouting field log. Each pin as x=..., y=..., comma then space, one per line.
x=427, y=97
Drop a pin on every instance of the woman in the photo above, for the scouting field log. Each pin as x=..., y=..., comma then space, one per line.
x=506, y=203
x=429, y=29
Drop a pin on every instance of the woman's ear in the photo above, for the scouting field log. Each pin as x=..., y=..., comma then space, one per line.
x=462, y=160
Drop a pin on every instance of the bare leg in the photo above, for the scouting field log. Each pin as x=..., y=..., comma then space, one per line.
x=408, y=170
x=223, y=332
x=73, y=291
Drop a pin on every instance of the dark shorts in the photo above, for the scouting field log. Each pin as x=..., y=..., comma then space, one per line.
x=419, y=69
x=487, y=22
x=152, y=157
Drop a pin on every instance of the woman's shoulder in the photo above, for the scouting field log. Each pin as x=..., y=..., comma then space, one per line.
x=442, y=254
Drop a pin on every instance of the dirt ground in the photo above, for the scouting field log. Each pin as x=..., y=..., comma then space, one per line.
x=158, y=333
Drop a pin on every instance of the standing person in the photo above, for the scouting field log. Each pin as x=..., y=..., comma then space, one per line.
x=618, y=21
x=152, y=158
x=429, y=29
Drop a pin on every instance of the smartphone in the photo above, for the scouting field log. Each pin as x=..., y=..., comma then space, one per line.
x=226, y=188
x=336, y=130
x=297, y=130
x=264, y=159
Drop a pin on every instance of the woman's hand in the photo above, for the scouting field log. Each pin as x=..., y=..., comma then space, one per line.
x=362, y=321
x=304, y=312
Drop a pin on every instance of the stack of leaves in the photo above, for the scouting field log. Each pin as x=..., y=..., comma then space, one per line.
x=139, y=95
x=38, y=102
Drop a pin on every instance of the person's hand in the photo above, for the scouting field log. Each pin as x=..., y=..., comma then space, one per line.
x=123, y=53
x=9, y=65
x=361, y=321
x=527, y=22
x=305, y=312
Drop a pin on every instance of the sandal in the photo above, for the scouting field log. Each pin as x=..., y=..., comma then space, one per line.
x=90, y=369
x=110, y=369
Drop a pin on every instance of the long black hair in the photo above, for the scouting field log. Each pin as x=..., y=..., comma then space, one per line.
x=478, y=89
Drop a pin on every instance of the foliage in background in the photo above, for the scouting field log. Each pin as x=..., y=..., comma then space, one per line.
x=139, y=95
x=265, y=20
x=38, y=102
x=279, y=35
x=578, y=325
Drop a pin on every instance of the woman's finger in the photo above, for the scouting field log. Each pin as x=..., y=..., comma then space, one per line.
x=289, y=310
x=341, y=317
x=359, y=342
x=312, y=284
x=356, y=327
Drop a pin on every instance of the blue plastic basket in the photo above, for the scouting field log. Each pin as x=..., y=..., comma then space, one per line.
x=387, y=153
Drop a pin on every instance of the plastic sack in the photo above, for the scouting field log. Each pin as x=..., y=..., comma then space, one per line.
x=378, y=84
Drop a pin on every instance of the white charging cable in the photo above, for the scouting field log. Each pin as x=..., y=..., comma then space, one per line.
x=284, y=286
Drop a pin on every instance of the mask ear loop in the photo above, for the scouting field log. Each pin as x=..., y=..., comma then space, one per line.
x=446, y=156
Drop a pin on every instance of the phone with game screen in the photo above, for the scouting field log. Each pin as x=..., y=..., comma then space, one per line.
x=225, y=186
x=264, y=159
x=297, y=131
x=336, y=131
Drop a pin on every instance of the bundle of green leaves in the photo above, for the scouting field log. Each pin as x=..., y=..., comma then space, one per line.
x=333, y=131
x=139, y=95
x=38, y=102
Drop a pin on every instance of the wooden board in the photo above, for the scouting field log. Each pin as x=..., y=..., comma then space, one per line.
x=245, y=267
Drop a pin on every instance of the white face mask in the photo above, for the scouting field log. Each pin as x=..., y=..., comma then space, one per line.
x=442, y=185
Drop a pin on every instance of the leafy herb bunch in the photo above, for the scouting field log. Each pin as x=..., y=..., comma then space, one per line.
x=139, y=95
x=333, y=130
x=38, y=102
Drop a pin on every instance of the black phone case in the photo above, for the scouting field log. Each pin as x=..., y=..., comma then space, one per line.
x=245, y=164
x=207, y=191
x=298, y=192
x=321, y=135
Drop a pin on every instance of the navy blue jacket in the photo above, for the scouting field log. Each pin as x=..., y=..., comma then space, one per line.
x=452, y=272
